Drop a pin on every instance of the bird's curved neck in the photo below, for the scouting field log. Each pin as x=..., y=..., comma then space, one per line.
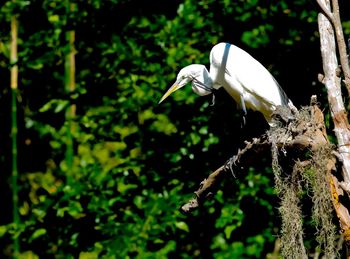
x=206, y=87
x=202, y=84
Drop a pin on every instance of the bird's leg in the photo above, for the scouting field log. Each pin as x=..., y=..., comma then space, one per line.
x=212, y=99
x=244, y=120
x=244, y=111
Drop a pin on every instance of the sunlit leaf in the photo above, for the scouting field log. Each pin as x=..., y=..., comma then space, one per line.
x=37, y=233
x=3, y=230
x=228, y=230
x=182, y=225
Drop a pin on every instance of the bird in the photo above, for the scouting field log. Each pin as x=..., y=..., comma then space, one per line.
x=244, y=78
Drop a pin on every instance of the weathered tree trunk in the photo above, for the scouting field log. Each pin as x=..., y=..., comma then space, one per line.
x=332, y=82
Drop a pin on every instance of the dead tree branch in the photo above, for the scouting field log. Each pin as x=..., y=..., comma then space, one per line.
x=325, y=10
x=333, y=84
x=302, y=137
x=209, y=186
x=335, y=20
x=341, y=44
x=305, y=137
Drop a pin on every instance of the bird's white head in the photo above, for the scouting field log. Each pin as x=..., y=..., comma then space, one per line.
x=195, y=73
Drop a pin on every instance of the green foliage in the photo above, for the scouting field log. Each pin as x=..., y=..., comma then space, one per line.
x=135, y=162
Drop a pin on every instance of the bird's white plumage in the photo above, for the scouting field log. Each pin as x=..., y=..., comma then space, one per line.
x=249, y=83
x=200, y=77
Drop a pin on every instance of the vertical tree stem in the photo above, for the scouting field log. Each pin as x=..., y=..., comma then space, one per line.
x=70, y=87
x=14, y=129
x=335, y=99
x=334, y=18
x=341, y=44
x=332, y=83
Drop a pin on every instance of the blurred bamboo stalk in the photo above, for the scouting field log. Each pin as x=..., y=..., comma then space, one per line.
x=14, y=129
x=70, y=87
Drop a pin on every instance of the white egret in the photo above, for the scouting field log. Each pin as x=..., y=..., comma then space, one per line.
x=249, y=83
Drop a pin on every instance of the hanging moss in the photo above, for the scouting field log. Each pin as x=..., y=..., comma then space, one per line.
x=292, y=245
x=322, y=211
x=309, y=174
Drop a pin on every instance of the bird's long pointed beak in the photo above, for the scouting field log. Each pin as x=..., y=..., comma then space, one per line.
x=172, y=89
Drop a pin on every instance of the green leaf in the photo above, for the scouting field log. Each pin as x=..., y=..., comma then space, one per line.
x=182, y=225
x=4, y=49
x=54, y=18
x=56, y=104
x=228, y=230
x=88, y=255
x=28, y=254
x=75, y=209
x=37, y=233
x=61, y=105
x=3, y=230
x=123, y=188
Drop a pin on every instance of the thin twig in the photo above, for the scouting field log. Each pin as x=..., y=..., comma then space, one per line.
x=234, y=165
x=341, y=44
x=325, y=10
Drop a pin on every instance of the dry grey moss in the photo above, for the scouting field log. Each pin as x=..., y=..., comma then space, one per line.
x=310, y=175
x=292, y=229
x=292, y=245
x=322, y=210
